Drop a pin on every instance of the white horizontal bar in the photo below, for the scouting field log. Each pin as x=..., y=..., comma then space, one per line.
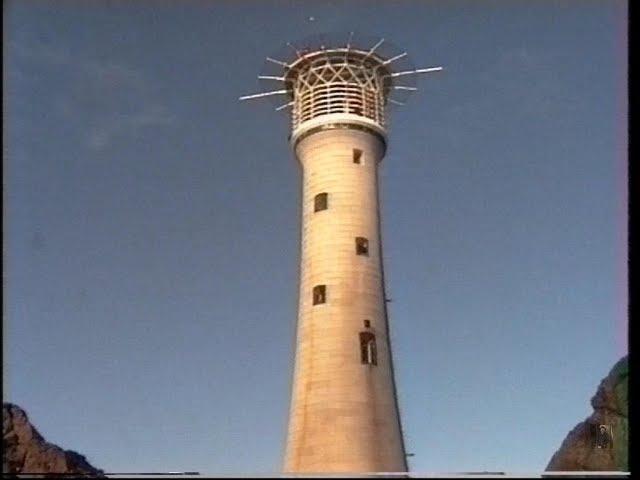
x=269, y=77
x=427, y=70
x=395, y=102
x=265, y=94
x=402, y=87
x=413, y=72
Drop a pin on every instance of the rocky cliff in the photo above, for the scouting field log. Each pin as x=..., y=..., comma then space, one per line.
x=585, y=448
x=26, y=452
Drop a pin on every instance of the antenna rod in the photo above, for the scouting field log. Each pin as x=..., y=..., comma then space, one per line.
x=282, y=107
x=413, y=72
x=349, y=41
x=375, y=46
x=372, y=50
x=277, y=62
x=397, y=57
x=346, y=53
x=265, y=94
x=297, y=52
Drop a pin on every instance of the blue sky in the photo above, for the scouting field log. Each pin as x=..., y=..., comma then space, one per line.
x=151, y=225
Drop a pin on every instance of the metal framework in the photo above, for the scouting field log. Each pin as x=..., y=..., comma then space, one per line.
x=345, y=79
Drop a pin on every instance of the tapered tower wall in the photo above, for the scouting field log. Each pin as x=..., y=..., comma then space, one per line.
x=343, y=414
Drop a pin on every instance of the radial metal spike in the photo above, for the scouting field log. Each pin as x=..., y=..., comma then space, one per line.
x=296, y=50
x=427, y=70
x=277, y=62
x=403, y=87
x=269, y=77
x=373, y=49
x=395, y=102
x=282, y=107
x=370, y=52
x=414, y=72
x=349, y=41
x=264, y=94
x=346, y=53
x=397, y=57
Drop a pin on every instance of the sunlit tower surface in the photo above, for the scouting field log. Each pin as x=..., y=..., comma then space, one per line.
x=344, y=412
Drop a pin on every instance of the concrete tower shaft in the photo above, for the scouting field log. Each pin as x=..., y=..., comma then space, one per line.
x=344, y=412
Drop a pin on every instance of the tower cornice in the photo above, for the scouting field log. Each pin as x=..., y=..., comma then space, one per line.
x=337, y=121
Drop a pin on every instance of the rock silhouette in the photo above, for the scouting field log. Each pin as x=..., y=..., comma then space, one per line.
x=26, y=452
x=590, y=447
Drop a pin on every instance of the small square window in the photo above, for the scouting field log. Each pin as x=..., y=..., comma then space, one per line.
x=320, y=202
x=362, y=246
x=357, y=155
x=319, y=294
x=367, y=324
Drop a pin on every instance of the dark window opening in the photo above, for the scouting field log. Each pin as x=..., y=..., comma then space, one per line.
x=357, y=156
x=367, y=324
x=362, y=246
x=368, y=353
x=319, y=294
x=320, y=202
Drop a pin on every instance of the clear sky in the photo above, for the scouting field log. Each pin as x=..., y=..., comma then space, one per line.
x=151, y=226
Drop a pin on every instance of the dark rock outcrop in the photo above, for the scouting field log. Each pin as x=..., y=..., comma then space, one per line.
x=26, y=452
x=584, y=449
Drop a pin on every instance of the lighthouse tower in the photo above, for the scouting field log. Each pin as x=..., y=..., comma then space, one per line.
x=344, y=411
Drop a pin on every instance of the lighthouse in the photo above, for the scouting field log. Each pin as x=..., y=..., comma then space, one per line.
x=344, y=415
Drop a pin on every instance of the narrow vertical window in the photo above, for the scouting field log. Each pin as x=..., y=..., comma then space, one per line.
x=368, y=354
x=320, y=202
x=367, y=324
x=319, y=294
x=362, y=246
x=357, y=155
